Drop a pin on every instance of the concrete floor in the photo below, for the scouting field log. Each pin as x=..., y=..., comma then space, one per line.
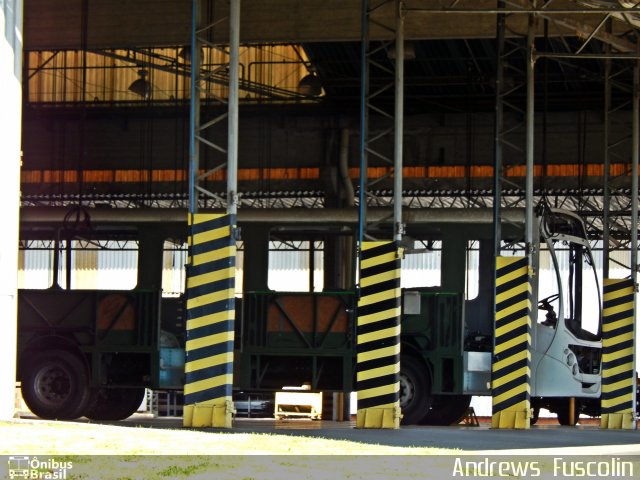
x=553, y=438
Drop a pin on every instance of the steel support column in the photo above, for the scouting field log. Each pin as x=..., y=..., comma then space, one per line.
x=379, y=120
x=634, y=212
x=498, y=129
x=222, y=156
x=617, y=147
x=635, y=156
x=530, y=128
x=513, y=81
x=211, y=269
x=378, y=322
x=511, y=363
x=514, y=75
x=398, y=129
x=618, y=355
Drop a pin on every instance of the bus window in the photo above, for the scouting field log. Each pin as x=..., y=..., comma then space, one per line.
x=35, y=264
x=590, y=294
x=582, y=295
x=116, y=266
x=472, y=279
x=580, y=290
x=548, y=288
x=174, y=260
x=290, y=263
x=422, y=269
x=95, y=265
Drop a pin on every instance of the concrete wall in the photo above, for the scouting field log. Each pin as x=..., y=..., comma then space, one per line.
x=10, y=121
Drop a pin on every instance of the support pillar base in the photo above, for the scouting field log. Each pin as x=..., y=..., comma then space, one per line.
x=386, y=417
x=618, y=421
x=512, y=419
x=215, y=413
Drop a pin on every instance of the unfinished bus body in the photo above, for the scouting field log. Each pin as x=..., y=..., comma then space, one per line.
x=92, y=352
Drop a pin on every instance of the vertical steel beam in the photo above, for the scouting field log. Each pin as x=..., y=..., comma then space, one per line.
x=497, y=165
x=382, y=72
x=212, y=249
x=618, y=147
x=399, y=125
x=511, y=369
x=194, y=108
x=634, y=211
x=607, y=168
x=378, y=324
x=200, y=79
x=513, y=117
x=364, y=118
x=530, y=128
x=499, y=128
x=234, y=80
x=634, y=172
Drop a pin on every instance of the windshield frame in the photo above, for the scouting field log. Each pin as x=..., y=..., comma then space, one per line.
x=572, y=234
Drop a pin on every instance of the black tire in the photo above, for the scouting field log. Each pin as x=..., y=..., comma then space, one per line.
x=535, y=415
x=562, y=411
x=447, y=410
x=114, y=404
x=415, y=390
x=55, y=385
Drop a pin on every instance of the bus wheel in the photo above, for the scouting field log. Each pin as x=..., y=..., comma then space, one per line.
x=447, y=410
x=535, y=415
x=55, y=385
x=114, y=403
x=415, y=390
x=562, y=410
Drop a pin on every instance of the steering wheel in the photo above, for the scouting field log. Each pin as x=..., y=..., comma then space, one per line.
x=545, y=303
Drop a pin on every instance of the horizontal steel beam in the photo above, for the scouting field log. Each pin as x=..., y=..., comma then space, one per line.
x=589, y=56
x=276, y=217
x=524, y=10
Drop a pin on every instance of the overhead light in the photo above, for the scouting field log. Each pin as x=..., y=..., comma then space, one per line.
x=310, y=86
x=141, y=86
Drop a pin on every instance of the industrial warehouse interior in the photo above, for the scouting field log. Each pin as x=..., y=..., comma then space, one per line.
x=392, y=227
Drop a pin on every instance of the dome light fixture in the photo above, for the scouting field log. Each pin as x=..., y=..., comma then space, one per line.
x=310, y=86
x=141, y=86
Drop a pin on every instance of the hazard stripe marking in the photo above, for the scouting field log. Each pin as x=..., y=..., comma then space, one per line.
x=618, y=351
x=210, y=293
x=378, y=330
x=511, y=364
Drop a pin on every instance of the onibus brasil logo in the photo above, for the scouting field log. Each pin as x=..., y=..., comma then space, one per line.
x=40, y=469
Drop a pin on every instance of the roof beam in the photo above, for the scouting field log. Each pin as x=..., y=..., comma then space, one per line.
x=56, y=24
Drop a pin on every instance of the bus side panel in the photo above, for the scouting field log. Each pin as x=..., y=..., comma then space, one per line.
x=115, y=332
x=435, y=334
x=288, y=339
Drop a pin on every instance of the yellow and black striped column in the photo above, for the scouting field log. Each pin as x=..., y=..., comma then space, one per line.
x=618, y=374
x=511, y=366
x=210, y=321
x=378, y=332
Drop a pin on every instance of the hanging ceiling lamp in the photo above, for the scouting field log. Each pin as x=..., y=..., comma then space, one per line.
x=310, y=86
x=141, y=86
